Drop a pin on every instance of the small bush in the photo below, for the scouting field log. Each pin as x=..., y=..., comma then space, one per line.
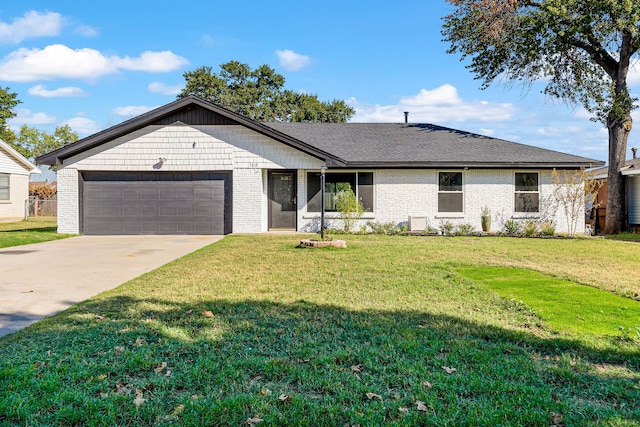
x=530, y=228
x=446, y=228
x=465, y=229
x=511, y=227
x=386, y=228
x=548, y=228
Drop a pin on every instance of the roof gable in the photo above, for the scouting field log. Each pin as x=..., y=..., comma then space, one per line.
x=190, y=110
x=22, y=163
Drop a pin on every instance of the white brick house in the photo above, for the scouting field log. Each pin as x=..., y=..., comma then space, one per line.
x=192, y=167
x=15, y=170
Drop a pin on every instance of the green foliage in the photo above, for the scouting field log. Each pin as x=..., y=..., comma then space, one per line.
x=511, y=227
x=8, y=101
x=548, y=228
x=31, y=142
x=464, y=229
x=446, y=228
x=581, y=47
x=485, y=212
x=386, y=228
x=530, y=228
x=348, y=206
x=260, y=95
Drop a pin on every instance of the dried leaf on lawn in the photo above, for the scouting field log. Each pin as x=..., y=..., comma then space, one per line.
x=207, y=313
x=284, y=398
x=122, y=389
x=421, y=406
x=371, y=396
x=357, y=368
x=557, y=419
x=427, y=384
x=403, y=410
x=139, y=400
x=449, y=370
x=118, y=349
x=139, y=342
x=253, y=421
x=160, y=367
x=177, y=410
x=99, y=317
x=265, y=391
x=188, y=312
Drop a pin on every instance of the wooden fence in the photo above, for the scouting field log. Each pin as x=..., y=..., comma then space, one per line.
x=43, y=207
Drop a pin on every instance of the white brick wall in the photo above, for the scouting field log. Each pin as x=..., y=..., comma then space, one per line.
x=403, y=193
x=68, y=201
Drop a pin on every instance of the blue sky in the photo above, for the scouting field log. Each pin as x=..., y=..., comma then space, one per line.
x=94, y=64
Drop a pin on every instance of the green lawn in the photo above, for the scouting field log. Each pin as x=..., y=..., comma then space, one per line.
x=34, y=230
x=390, y=331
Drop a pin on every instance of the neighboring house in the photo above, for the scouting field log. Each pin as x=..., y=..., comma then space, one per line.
x=631, y=172
x=193, y=167
x=15, y=170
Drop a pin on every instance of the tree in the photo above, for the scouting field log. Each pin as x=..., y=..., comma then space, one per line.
x=8, y=101
x=31, y=142
x=572, y=189
x=583, y=48
x=260, y=95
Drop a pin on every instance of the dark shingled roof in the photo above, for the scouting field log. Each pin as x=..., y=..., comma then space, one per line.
x=422, y=145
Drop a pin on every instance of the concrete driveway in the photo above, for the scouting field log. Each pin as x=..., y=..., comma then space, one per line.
x=42, y=279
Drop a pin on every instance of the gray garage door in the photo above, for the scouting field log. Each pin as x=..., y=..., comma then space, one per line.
x=156, y=203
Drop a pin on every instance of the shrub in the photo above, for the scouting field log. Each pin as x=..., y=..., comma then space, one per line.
x=387, y=228
x=530, y=228
x=349, y=208
x=511, y=227
x=446, y=228
x=548, y=228
x=465, y=229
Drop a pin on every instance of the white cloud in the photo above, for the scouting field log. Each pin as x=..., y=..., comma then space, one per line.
x=158, y=87
x=291, y=61
x=86, y=31
x=31, y=24
x=440, y=105
x=27, y=117
x=131, y=110
x=153, y=62
x=208, y=40
x=82, y=125
x=61, y=92
x=59, y=61
x=487, y=132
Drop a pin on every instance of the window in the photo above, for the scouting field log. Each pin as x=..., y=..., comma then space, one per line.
x=450, y=195
x=361, y=183
x=527, y=197
x=4, y=186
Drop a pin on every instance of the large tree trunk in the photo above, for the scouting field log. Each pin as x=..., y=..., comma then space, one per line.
x=616, y=207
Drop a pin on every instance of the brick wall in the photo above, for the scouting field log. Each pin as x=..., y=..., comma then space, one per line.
x=403, y=193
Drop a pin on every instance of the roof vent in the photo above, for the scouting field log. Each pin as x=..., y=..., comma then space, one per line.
x=634, y=150
x=406, y=117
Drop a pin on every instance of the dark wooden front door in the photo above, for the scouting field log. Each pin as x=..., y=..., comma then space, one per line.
x=283, y=205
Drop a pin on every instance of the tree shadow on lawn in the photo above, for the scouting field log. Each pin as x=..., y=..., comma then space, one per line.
x=302, y=364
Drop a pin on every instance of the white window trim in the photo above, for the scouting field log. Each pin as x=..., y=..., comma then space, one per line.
x=438, y=192
x=525, y=215
x=8, y=199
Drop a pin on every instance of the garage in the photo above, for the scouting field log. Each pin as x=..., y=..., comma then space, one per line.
x=123, y=203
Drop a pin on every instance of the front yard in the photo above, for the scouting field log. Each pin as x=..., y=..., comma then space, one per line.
x=34, y=230
x=390, y=331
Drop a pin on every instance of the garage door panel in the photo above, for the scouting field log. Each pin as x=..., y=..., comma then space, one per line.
x=156, y=203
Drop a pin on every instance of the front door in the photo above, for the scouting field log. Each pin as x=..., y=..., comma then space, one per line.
x=282, y=200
